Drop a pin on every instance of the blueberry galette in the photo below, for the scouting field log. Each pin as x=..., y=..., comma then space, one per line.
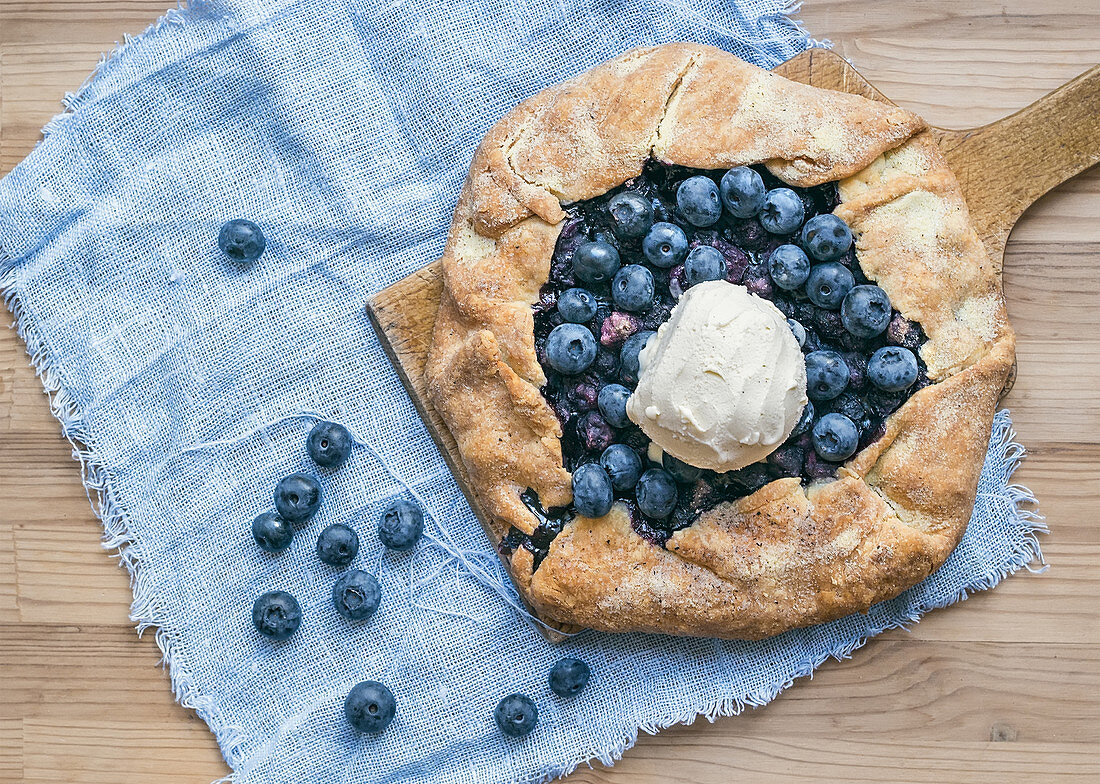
x=720, y=351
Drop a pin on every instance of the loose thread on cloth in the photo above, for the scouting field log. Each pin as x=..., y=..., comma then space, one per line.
x=490, y=576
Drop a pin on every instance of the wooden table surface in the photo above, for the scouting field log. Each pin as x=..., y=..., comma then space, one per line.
x=1004, y=687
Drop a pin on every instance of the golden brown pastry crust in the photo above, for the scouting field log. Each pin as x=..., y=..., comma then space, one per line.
x=784, y=556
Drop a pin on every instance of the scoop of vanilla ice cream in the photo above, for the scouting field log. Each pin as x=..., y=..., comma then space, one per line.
x=723, y=382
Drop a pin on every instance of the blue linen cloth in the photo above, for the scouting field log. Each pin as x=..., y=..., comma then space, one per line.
x=188, y=385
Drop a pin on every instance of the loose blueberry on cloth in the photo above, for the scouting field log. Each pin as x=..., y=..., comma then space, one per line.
x=189, y=383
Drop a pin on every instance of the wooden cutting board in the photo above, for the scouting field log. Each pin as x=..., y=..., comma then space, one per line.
x=1002, y=167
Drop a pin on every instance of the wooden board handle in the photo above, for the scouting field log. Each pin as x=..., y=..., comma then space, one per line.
x=1005, y=166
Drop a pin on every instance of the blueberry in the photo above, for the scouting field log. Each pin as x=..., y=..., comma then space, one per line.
x=401, y=524
x=297, y=497
x=577, y=305
x=329, y=444
x=742, y=192
x=656, y=493
x=632, y=288
x=835, y=437
x=799, y=332
x=853, y=407
x=787, y=459
x=892, y=368
x=805, y=420
x=750, y=478
x=617, y=327
x=241, y=240
x=276, y=614
x=883, y=404
x=594, y=433
x=612, y=403
x=698, y=200
x=676, y=281
x=857, y=369
x=702, y=264
x=828, y=284
x=582, y=395
x=737, y=260
x=570, y=349
x=516, y=715
x=749, y=234
x=607, y=363
x=628, y=357
x=865, y=311
x=356, y=595
x=595, y=262
x=592, y=494
x=623, y=466
x=816, y=468
x=665, y=245
x=271, y=532
x=788, y=267
x=903, y=332
x=337, y=545
x=782, y=212
x=631, y=214
x=803, y=312
x=545, y=533
x=568, y=677
x=826, y=237
x=829, y=326
x=681, y=471
x=849, y=342
x=813, y=342
x=370, y=706
x=826, y=375
x=547, y=301
x=760, y=285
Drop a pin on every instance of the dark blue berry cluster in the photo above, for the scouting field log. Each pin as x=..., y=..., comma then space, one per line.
x=370, y=705
x=621, y=262
x=517, y=715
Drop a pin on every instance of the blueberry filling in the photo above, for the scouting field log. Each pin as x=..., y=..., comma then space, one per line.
x=745, y=226
x=551, y=521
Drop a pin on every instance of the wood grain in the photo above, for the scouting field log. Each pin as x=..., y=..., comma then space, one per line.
x=1000, y=688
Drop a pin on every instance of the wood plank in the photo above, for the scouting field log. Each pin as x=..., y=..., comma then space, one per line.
x=170, y=750
x=11, y=746
x=48, y=49
x=1050, y=289
x=23, y=404
x=962, y=64
x=46, y=553
x=1066, y=214
x=704, y=755
x=904, y=687
x=1058, y=605
x=9, y=591
x=1063, y=478
x=117, y=672
x=889, y=687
